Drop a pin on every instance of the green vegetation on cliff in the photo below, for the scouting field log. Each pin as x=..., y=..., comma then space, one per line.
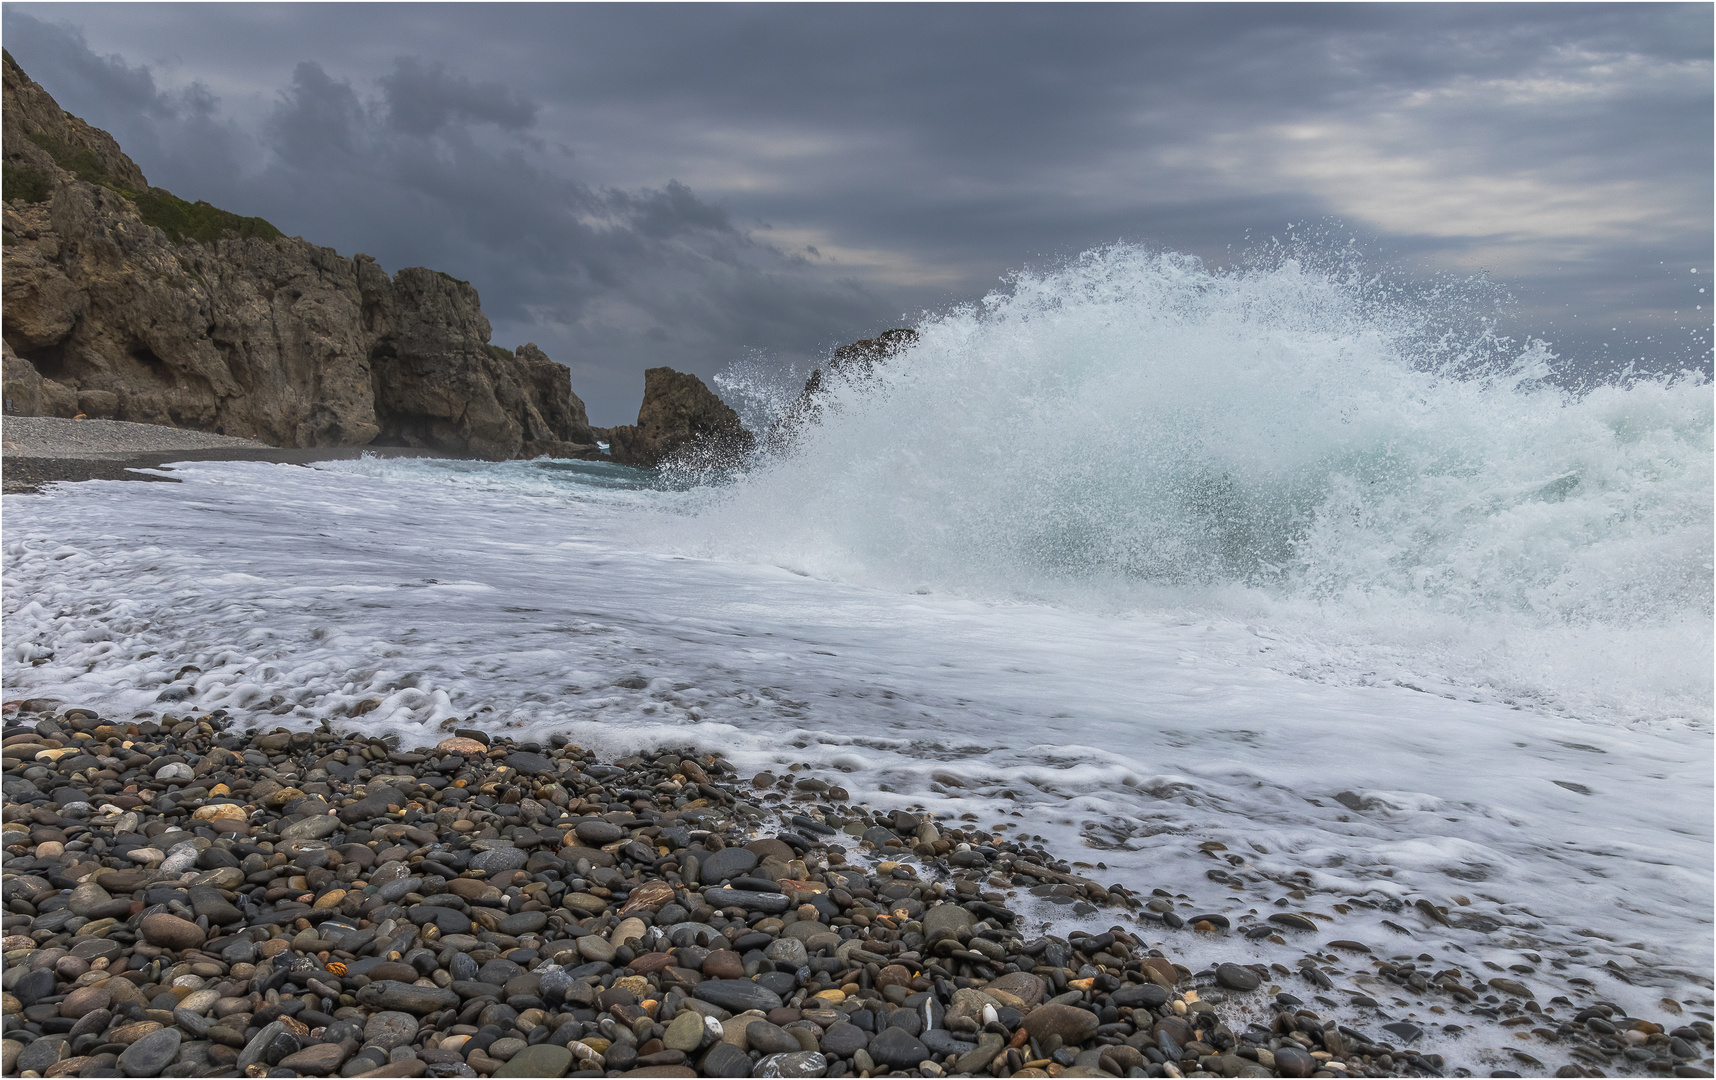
x=23, y=182
x=158, y=207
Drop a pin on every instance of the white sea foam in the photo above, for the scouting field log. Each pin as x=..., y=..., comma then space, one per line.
x=1385, y=498
x=1133, y=598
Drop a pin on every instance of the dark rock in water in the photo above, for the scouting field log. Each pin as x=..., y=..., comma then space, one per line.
x=1235, y=977
x=897, y=1048
x=850, y=363
x=1404, y=1031
x=736, y=995
x=1512, y=987
x=679, y=415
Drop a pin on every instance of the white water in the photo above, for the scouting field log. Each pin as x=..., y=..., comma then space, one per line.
x=1134, y=559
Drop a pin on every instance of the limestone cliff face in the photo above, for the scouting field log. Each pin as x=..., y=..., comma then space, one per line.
x=680, y=416
x=122, y=301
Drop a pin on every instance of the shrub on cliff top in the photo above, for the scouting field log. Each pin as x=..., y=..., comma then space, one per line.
x=198, y=221
x=23, y=182
x=179, y=219
x=80, y=161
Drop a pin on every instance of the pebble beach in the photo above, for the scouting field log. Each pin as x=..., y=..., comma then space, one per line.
x=188, y=898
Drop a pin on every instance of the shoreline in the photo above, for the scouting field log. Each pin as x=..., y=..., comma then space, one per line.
x=556, y=854
x=42, y=450
x=26, y=473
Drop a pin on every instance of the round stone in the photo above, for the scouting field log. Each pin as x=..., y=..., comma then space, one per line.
x=171, y=932
x=218, y=812
x=84, y=1000
x=1291, y=1061
x=499, y=859
x=1236, y=977
x=597, y=832
x=457, y=745
x=1074, y=1026
x=897, y=1048
x=544, y=1059
x=765, y=1038
x=151, y=1054
x=390, y=1029
x=726, y=1060
x=727, y=863
x=685, y=1034
x=736, y=995
x=787, y=952
x=844, y=1040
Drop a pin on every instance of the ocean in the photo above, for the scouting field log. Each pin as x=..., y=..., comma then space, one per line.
x=1246, y=585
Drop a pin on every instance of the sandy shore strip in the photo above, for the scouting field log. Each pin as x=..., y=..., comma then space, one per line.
x=41, y=450
x=53, y=437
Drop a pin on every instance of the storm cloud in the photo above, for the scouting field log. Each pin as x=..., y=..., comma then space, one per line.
x=631, y=185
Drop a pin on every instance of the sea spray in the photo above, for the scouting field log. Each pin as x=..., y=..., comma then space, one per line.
x=1384, y=494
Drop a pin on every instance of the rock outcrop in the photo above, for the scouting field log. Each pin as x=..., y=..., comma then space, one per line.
x=123, y=301
x=680, y=417
x=850, y=363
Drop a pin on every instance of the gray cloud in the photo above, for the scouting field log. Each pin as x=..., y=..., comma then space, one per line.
x=424, y=97
x=632, y=185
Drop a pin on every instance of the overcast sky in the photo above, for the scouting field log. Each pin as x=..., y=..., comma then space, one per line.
x=634, y=185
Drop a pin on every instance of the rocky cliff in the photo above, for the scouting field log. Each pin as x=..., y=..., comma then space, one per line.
x=123, y=301
x=680, y=416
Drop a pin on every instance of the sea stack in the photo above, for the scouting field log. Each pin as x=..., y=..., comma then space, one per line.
x=680, y=415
